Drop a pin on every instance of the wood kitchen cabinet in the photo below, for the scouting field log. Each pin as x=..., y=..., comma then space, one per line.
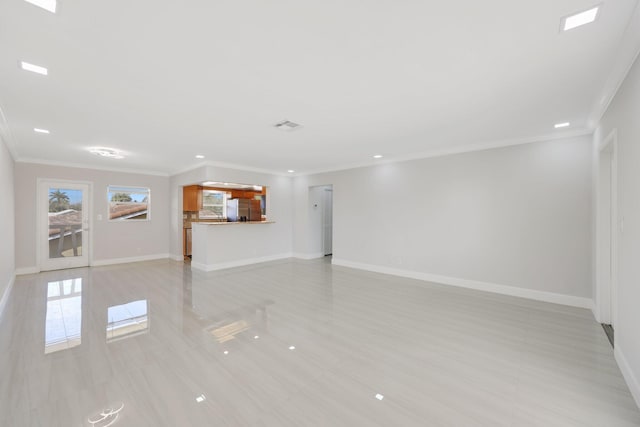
x=192, y=198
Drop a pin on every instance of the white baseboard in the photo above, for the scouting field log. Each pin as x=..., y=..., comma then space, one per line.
x=127, y=260
x=627, y=373
x=27, y=270
x=316, y=255
x=595, y=312
x=473, y=284
x=5, y=295
x=239, y=263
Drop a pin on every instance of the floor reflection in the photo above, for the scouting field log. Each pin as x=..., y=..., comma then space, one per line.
x=63, y=326
x=127, y=320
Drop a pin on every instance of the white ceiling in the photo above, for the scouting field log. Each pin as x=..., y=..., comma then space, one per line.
x=164, y=81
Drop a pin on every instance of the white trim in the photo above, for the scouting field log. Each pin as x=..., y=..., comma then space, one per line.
x=314, y=255
x=27, y=270
x=627, y=373
x=127, y=260
x=42, y=260
x=5, y=296
x=238, y=263
x=415, y=156
x=594, y=311
x=469, y=148
x=88, y=166
x=551, y=297
x=628, y=51
x=6, y=135
x=230, y=166
x=605, y=297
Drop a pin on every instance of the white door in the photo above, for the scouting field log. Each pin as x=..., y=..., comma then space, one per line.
x=607, y=232
x=64, y=224
x=327, y=221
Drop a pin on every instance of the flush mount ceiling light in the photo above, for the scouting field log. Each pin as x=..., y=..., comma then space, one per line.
x=106, y=152
x=38, y=130
x=561, y=125
x=49, y=5
x=287, y=125
x=578, y=19
x=33, y=68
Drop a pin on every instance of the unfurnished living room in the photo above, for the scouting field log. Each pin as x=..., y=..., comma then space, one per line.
x=389, y=213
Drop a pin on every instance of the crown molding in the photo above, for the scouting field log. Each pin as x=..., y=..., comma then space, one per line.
x=453, y=150
x=628, y=52
x=88, y=166
x=230, y=166
x=6, y=136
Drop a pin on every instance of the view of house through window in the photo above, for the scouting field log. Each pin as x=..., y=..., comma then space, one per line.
x=214, y=204
x=128, y=203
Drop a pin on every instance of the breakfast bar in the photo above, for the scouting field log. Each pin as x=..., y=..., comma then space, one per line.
x=219, y=245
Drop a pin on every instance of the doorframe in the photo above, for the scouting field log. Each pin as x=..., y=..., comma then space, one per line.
x=41, y=208
x=607, y=291
x=327, y=189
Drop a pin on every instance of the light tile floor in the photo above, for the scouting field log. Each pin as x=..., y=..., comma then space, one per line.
x=153, y=344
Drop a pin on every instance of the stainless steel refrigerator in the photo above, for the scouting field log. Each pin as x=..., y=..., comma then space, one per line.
x=243, y=210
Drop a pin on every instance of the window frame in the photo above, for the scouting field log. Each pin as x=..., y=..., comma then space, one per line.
x=225, y=197
x=129, y=189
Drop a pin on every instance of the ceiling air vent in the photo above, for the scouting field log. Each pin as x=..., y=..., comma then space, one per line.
x=286, y=125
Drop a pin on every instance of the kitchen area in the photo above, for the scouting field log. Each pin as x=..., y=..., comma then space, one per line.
x=215, y=203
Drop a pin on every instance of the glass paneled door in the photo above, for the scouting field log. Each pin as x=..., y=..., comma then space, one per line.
x=64, y=234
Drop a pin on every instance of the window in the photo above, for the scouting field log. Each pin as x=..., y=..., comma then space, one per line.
x=214, y=204
x=128, y=203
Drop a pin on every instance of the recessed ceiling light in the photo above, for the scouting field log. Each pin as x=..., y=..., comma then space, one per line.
x=293, y=347
x=287, y=125
x=38, y=130
x=561, y=125
x=33, y=68
x=199, y=156
x=106, y=152
x=256, y=337
x=49, y=5
x=201, y=398
x=226, y=352
x=579, y=19
x=377, y=156
x=379, y=396
x=291, y=171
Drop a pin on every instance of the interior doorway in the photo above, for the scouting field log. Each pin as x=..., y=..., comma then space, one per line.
x=606, y=266
x=63, y=218
x=320, y=221
x=327, y=221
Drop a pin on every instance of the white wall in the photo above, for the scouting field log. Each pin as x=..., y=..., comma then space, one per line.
x=622, y=115
x=112, y=240
x=7, y=221
x=279, y=206
x=518, y=217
